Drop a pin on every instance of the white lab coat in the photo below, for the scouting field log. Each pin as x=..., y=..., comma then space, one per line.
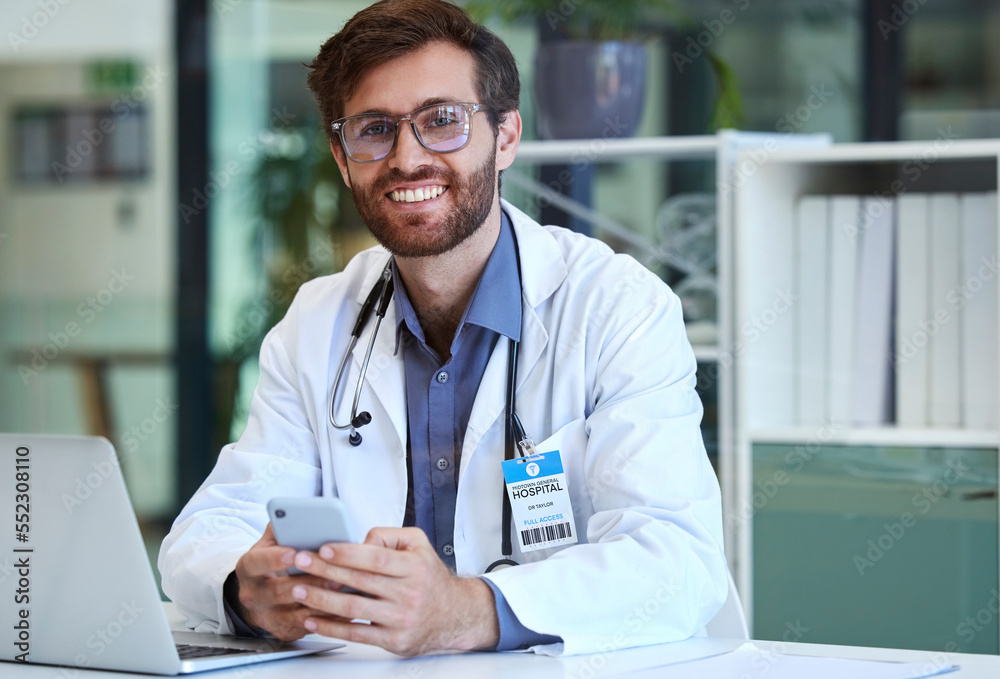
x=606, y=376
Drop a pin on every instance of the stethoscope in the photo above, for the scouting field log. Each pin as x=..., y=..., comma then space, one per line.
x=516, y=441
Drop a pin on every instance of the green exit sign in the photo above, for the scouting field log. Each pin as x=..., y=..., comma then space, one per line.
x=113, y=76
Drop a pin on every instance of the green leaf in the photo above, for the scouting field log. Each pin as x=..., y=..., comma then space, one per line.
x=728, y=112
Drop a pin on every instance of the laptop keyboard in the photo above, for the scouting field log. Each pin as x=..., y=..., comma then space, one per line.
x=191, y=651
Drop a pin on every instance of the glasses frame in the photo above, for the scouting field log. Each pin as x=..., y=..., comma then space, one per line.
x=470, y=108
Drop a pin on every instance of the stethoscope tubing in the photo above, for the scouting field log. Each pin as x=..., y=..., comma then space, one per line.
x=381, y=293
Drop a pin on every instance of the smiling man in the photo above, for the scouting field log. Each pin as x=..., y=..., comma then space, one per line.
x=498, y=327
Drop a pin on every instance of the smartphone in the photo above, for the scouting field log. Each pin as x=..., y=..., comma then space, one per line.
x=308, y=523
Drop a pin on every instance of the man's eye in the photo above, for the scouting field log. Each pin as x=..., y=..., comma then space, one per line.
x=373, y=130
x=442, y=121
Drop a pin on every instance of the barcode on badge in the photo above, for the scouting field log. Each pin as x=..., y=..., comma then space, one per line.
x=551, y=533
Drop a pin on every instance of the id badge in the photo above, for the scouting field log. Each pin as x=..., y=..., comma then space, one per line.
x=543, y=514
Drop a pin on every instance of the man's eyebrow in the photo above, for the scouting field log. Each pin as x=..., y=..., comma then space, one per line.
x=437, y=100
x=426, y=102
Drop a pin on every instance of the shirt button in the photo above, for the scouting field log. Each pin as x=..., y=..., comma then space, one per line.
x=447, y=550
x=442, y=463
x=442, y=377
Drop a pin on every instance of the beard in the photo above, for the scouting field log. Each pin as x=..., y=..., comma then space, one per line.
x=413, y=235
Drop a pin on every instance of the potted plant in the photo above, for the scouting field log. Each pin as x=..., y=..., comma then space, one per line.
x=590, y=67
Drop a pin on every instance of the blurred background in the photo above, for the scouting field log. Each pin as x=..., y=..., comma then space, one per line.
x=165, y=187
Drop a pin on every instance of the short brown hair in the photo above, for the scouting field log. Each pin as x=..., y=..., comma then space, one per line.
x=391, y=29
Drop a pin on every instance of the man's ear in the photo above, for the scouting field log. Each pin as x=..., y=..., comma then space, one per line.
x=341, y=158
x=508, y=139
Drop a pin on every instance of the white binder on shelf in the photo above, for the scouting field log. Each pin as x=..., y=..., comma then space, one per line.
x=813, y=320
x=872, y=382
x=978, y=296
x=944, y=322
x=844, y=225
x=912, y=359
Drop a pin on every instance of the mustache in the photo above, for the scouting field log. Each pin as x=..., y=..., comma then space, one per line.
x=396, y=176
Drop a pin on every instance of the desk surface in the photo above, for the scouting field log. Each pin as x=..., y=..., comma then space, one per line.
x=360, y=661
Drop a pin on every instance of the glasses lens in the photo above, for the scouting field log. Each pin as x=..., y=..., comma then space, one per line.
x=443, y=127
x=369, y=137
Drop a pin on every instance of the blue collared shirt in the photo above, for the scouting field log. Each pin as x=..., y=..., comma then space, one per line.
x=439, y=398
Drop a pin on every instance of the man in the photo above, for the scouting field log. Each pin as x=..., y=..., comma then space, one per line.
x=421, y=106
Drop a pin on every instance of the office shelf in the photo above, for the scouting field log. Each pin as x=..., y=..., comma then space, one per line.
x=829, y=434
x=769, y=437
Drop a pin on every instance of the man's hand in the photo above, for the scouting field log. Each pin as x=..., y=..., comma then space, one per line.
x=416, y=604
x=266, y=590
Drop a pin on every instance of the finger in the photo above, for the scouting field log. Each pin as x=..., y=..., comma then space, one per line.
x=261, y=561
x=397, y=538
x=375, y=635
x=371, y=557
x=347, y=606
x=287, y=622
x=376, y=584
x=277, y=592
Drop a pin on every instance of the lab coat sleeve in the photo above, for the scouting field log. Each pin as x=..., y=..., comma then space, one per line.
x=651, y=569
x=276, y=456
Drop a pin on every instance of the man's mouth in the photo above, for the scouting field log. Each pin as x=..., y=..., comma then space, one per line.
x=416, y=195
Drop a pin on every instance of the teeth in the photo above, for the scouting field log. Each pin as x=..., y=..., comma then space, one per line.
x=417, y=195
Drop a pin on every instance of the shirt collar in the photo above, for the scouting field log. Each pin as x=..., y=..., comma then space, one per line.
x=495, y=303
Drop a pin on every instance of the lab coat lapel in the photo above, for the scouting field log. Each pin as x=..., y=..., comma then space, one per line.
x=542, y=270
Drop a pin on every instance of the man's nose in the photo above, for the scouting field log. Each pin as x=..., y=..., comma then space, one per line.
x=408, y=153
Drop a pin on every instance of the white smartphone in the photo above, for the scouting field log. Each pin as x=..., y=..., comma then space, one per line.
x=308, y=523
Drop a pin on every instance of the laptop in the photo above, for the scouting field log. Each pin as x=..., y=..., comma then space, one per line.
x=76, y=585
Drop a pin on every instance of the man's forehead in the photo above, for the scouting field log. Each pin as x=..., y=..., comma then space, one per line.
x=434, y=73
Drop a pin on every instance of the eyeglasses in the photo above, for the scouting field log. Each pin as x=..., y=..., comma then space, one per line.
x=441, y=128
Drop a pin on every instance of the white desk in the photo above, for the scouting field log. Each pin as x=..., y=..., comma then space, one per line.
x=366, y=662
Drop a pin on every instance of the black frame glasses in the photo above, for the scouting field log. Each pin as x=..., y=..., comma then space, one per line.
x=442, y=128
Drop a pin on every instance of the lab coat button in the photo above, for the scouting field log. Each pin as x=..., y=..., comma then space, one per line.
x=442, y=377
x=443, y=463
x=447, y=550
